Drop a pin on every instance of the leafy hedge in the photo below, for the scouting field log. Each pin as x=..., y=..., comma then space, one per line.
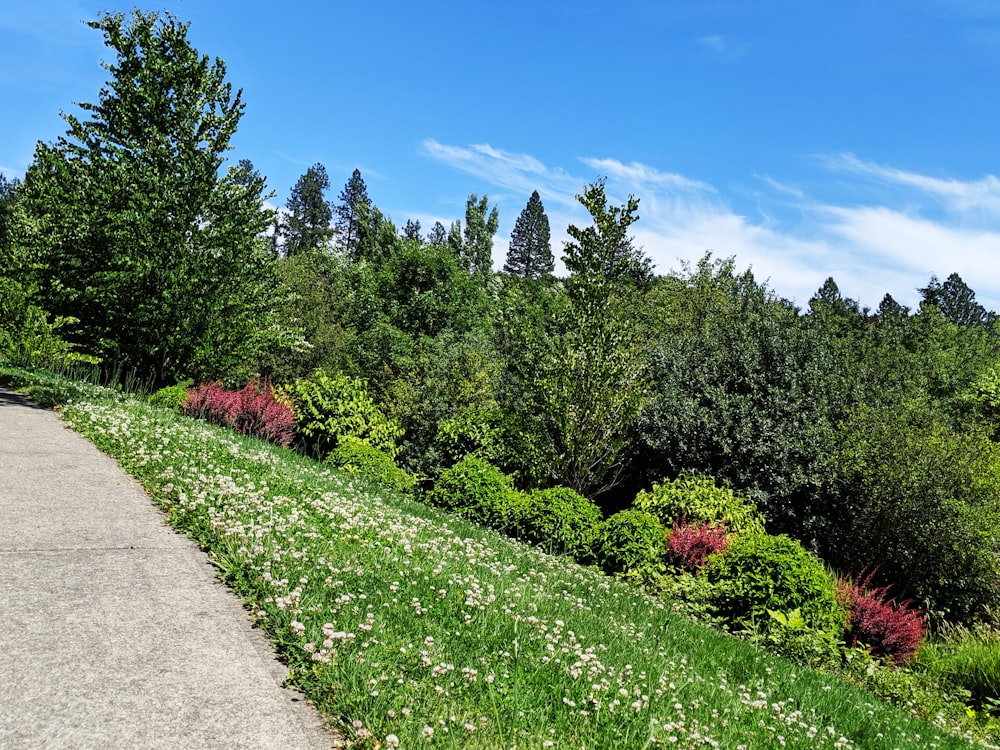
x=479, y=491
x=355, y=456
x=332, y=407
x=691, y=498
x=760, y=572
x=560, y=521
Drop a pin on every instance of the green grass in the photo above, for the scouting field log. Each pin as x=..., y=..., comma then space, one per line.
x=407, y=626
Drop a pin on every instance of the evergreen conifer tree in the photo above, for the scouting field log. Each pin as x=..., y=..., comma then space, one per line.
x=354, y=203
x=530, y=253
x=307, y=225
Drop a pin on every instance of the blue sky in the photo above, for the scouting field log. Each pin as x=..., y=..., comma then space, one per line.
x=857, y=140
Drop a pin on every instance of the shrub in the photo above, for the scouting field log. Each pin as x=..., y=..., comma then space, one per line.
x=253, y=410
x=172, y=396
x=966, y=661
x=331, y=407
x=633, y=543
x=471, y=433
x=560, y=521
x=689, y=545
x=355, y=456
x=479, y=491
x=917, y=498
x=760, y=572
x=697, y=499
x=890, y=630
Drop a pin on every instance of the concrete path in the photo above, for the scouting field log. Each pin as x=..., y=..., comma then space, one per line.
x=114, y=631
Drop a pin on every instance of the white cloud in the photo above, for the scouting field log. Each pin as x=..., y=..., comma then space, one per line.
x=641, y=174
x=723, y=45
x=517, y=172
x=887, y=246
x=978, y=196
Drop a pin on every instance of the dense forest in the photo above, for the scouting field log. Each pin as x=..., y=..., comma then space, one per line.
x=871, y=436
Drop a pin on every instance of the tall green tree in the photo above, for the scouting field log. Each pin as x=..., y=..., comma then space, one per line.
x=481, y=224
x=530, y=252
x=351, y=212
x=603, y=255
x=957, y=302
x=411, y=231
x=307, y=225
x=7, y=190
x=577, y=369
x=438, y=236
x=131, y=226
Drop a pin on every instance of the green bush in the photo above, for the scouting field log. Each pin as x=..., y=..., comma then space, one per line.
x=560, y=521
x=970, y=662
x=471, y=433
x=480, y=492
x=171, y=396
x=358, y=457
x=633, y=543
x=697, y=500
x=917, y=500
x=759, y=573
x=332, y=407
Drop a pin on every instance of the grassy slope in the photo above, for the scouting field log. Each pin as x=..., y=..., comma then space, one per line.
x=405, y=625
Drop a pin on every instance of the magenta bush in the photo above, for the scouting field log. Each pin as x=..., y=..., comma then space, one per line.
x=889, y=629
x=690, y=545
x=253, y=410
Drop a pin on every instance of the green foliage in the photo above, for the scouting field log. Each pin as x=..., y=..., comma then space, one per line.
x=171, y=396
x=355, y=456
x=317, y=294
x=957, y=302
x=471, y=433
x=560, y=521
x=354, y=201
x=530, y=253
x=332, y=407
x=576, y=363
x=742, y=390
x=920, y=502
x=969, y=661
x=697, y=499
x=788, y=634
x=633, y=543
x=129, y=219
x=481, y=224
x=480, y=492
x=27, y=337
x=306, y=226
x=603, y=255
x=761, y=572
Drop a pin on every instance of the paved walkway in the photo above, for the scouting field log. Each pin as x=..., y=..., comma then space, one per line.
x=114, y=631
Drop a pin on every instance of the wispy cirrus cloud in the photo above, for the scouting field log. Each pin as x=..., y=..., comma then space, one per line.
x=516, y=172
x=909, y=227
x=980, y=196
x=723, y=45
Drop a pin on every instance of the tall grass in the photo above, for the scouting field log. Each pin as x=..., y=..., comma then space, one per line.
x=410, y=628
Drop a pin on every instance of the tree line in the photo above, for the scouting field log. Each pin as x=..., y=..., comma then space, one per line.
x=869, y=435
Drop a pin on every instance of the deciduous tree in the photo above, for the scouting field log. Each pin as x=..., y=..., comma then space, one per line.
x=481, y=225
x=131, y=226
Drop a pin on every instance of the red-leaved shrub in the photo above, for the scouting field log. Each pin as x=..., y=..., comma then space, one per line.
x=890, y=629
x=253, y=410
x=690, y=544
